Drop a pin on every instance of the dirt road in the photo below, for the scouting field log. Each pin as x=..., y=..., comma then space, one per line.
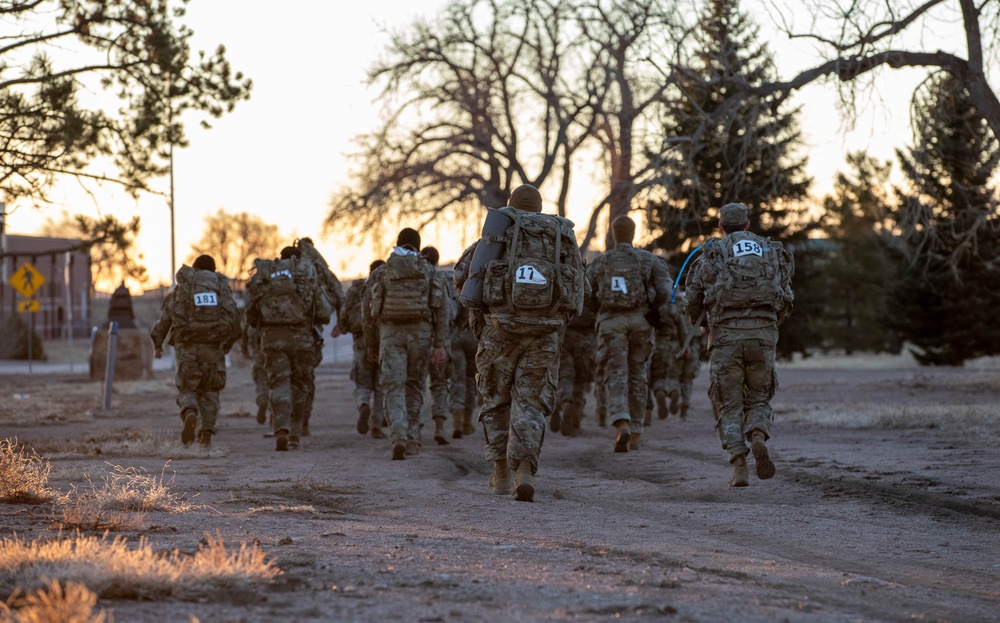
x=885, y=507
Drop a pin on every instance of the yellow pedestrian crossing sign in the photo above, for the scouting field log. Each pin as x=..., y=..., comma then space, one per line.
x=31, y=305
x=27, y=280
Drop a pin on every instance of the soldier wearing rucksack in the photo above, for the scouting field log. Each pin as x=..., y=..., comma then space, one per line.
x=367, y=392
x=532, y=281
x=742, y=285
x=286, y=304
x=199, y=318
x=441, y=374
x=406, y=321
x=631, y=288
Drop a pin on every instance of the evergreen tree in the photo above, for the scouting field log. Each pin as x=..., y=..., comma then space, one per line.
x=860, y=272
x=728, y=147
x=946, y=301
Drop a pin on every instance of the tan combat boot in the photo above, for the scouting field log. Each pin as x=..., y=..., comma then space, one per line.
x=190, y=418
x=439, y=432
x=741, y=475
x=293, y=442
x=205, y=439
x=524, y=490
x=662, y=410
x=456, y=424
x=500, y=478
x=675, y=396
x=623, y=436
x=412, y=448
x=281, y=440
x=764, y=467
x=399, y=451
x=633, y=441
x=364, y=414
x=262, y=413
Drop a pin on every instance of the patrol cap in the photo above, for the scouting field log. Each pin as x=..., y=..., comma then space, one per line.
x=526, y=197
x=204, y=262
x=733, y=215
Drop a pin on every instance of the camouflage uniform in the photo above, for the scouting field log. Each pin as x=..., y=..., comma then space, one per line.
x=335, y=296
x=625, y=336
x=518, y=357
x=404, y=349
x=742, y=343
x=288, y=342
x=577, y=359
x=200, y=347
x=364, y=372
x=250, y=344
x=689, y=364
x=441, y=374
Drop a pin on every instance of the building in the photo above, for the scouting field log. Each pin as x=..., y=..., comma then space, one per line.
x=65, y=295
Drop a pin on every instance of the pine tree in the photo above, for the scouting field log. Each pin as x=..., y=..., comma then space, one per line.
x=947, y=299
x=729, y=148
x=860, y=272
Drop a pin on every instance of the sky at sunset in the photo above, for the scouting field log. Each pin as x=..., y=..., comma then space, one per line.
x=282, y=153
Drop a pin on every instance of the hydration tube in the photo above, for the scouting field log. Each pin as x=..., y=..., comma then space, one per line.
x=677, y=282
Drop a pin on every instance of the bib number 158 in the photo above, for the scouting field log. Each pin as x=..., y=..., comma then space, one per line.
x=747, y=247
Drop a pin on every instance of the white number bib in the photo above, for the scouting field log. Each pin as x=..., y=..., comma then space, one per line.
x=529, y=274
x=206, y=299
x=747, y=247
x=618, y=285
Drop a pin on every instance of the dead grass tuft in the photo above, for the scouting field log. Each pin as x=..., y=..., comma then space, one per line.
x=54, y=604
x=114, y=569
x=24, y=475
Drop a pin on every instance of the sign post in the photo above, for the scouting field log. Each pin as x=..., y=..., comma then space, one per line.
x=27, y=280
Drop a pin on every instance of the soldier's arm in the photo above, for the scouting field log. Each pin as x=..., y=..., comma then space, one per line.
x=162, y=327
x=439, y=313
x=695, y=292
x=368, y=318
x=462, y=266
x=659, y=277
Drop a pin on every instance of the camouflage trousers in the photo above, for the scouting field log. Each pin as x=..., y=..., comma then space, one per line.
x=664, y=368
x=688, y=367
x=200, y=376
x=517, y=381
x=289, y=359
x=404, y=357
x=742, y=382
x=258, y=372
x=625, y=342
x=367, y=390
x=440, y=388
x=464, y=395
x=577, y=359
x=316, y=360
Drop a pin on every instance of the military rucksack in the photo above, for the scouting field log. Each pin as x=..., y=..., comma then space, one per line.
x=285, y=291
x=403, y=293
x=751, y=271
x=353, y=307
x=622, y=286
x=203, y=306
x=540, y=273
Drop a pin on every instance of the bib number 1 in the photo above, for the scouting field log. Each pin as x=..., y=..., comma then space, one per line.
x=618, y=285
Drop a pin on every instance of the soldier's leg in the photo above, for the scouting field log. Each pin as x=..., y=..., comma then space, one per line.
x=640, y=347
x=303, y=387
x=495, y=375
x=259, y=374
x=470, y=344
x=279, y=376
x=213, y=382
x=418, y=352
x=726, y=380
x=392, y=376
x=440, y=399
x=583, y=374
x=188, y=378
x=613, y=353
x=458, y=390
x=532, y=396
x=761, y=383
x=312, y=361
x=564, y=386
x=378, y=418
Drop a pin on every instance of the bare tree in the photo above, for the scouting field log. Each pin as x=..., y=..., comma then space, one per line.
x=858, y=37
x=631, y=41
x=234, y=240
x=480, y=99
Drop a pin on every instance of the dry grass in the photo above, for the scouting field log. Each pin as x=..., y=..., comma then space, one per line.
x=975, y=419
x=53, y=604
x=115, y=570
x=24, y=475
x=121, y=502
